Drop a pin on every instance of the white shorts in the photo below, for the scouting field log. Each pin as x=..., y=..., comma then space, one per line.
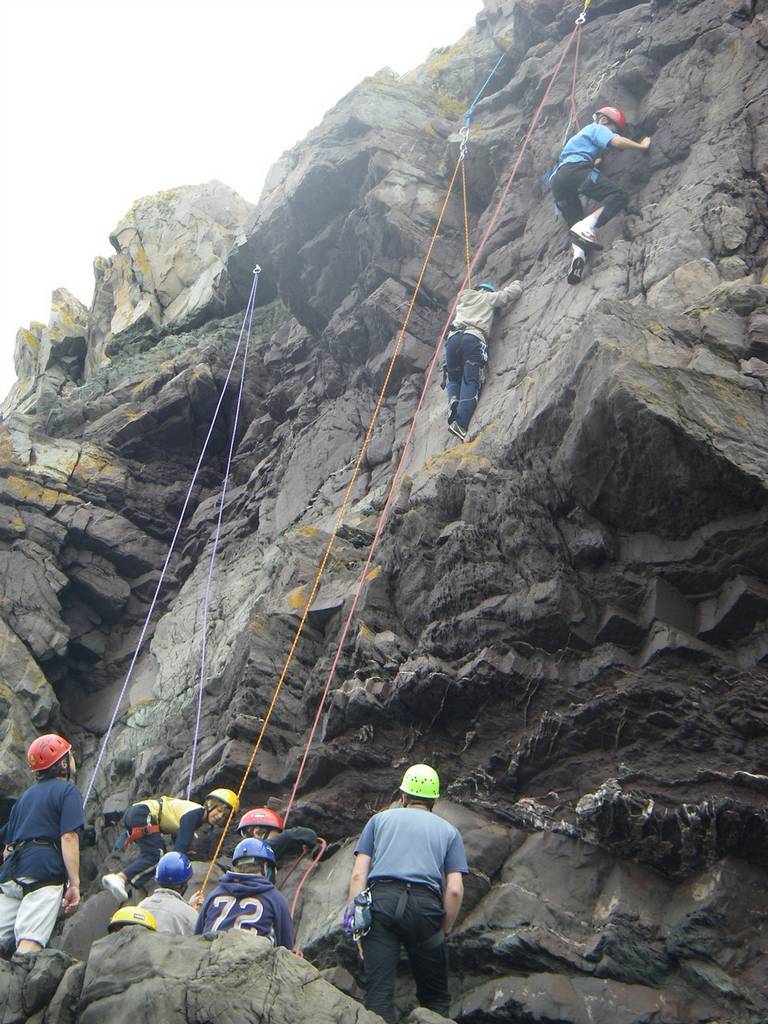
x=29, y=917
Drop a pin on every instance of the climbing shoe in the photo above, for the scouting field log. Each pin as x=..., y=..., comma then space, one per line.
x=458, y=430
x=115, y=885
x=583, y=235
x=576, y=272
x=453, y=405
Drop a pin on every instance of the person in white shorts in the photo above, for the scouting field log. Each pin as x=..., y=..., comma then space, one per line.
x=41, y=850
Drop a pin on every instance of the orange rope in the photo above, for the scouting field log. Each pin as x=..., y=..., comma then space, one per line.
x=574, y=110
x=336, y=527
x=404, y=451
x=342, y=510
x=466, y=226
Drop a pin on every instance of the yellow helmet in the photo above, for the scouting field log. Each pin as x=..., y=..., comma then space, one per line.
x=225, y=796
x=131, y=915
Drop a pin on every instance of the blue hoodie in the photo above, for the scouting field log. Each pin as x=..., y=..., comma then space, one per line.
x=247, y=902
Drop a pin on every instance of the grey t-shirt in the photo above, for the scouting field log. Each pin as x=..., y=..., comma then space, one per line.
x=412, y=845
x=171, y=911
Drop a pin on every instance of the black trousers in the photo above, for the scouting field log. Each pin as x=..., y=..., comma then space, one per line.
x=411, y=916
x=574, y=180
x=151, y=847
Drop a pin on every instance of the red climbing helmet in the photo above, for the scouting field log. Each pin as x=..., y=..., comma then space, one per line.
x=614, y=114
x=261, y=817
x=46, y=750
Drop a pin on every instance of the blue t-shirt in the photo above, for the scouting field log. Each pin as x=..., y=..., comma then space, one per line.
x=412, y=845
x=585, y=146
x=44, y=811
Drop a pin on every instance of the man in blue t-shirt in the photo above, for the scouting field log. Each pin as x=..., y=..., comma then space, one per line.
x=413, y=862
x=246, y=898
x=41, y=849
x=576, y=175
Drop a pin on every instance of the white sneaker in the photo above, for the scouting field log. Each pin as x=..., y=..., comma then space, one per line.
x=585, y=236
x=115, y=885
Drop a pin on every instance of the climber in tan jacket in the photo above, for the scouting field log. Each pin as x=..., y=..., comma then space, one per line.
x=466, y=349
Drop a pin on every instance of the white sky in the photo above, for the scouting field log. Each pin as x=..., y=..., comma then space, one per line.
x=105, y=101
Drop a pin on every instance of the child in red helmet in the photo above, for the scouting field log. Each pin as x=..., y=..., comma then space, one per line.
x=264, y=823
x=41, y=849
x=576, y=175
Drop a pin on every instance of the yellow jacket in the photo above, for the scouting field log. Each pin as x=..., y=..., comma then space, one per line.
x=173, y=809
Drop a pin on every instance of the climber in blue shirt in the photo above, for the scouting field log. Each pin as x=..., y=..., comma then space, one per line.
x=41, y=855
x=246, y=898
x=410, y=863
x=576, y=174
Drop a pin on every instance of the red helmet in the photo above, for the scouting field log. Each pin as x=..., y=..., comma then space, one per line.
x=45, y=751
x=617, y=116
x=261, y=817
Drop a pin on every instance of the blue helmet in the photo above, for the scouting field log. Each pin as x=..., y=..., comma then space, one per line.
x=486, y=286
x=253, y=849
x=173, y=869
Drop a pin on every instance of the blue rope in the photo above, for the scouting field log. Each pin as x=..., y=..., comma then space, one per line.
x=470, y=112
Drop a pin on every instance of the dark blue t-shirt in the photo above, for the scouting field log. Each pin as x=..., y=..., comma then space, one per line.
x=44, y=811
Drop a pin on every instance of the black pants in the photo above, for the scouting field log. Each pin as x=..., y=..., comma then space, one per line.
x=151, y=847
x=420, y=919
x=575, y=180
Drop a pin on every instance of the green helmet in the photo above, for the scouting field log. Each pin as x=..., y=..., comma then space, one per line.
x=421, y=780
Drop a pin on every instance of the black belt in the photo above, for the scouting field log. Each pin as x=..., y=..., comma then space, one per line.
x=405, y=888
x=401, y=883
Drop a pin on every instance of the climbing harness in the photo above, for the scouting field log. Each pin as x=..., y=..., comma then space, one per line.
x=139, y=832
x=246, y=320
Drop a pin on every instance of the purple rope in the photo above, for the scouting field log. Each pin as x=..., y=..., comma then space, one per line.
x=216, y=538
x=187, y=500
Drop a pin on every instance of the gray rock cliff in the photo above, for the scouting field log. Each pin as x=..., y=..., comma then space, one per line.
x=567, y=615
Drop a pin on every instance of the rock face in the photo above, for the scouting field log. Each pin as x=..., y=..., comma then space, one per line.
x=567, y=615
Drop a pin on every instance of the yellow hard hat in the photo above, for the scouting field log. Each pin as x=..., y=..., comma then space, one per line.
x=225, y=796
x=132, y=915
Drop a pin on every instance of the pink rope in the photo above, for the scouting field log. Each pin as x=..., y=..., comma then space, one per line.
x=430, y=370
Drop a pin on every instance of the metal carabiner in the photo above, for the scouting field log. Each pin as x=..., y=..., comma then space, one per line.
x=463, y=141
